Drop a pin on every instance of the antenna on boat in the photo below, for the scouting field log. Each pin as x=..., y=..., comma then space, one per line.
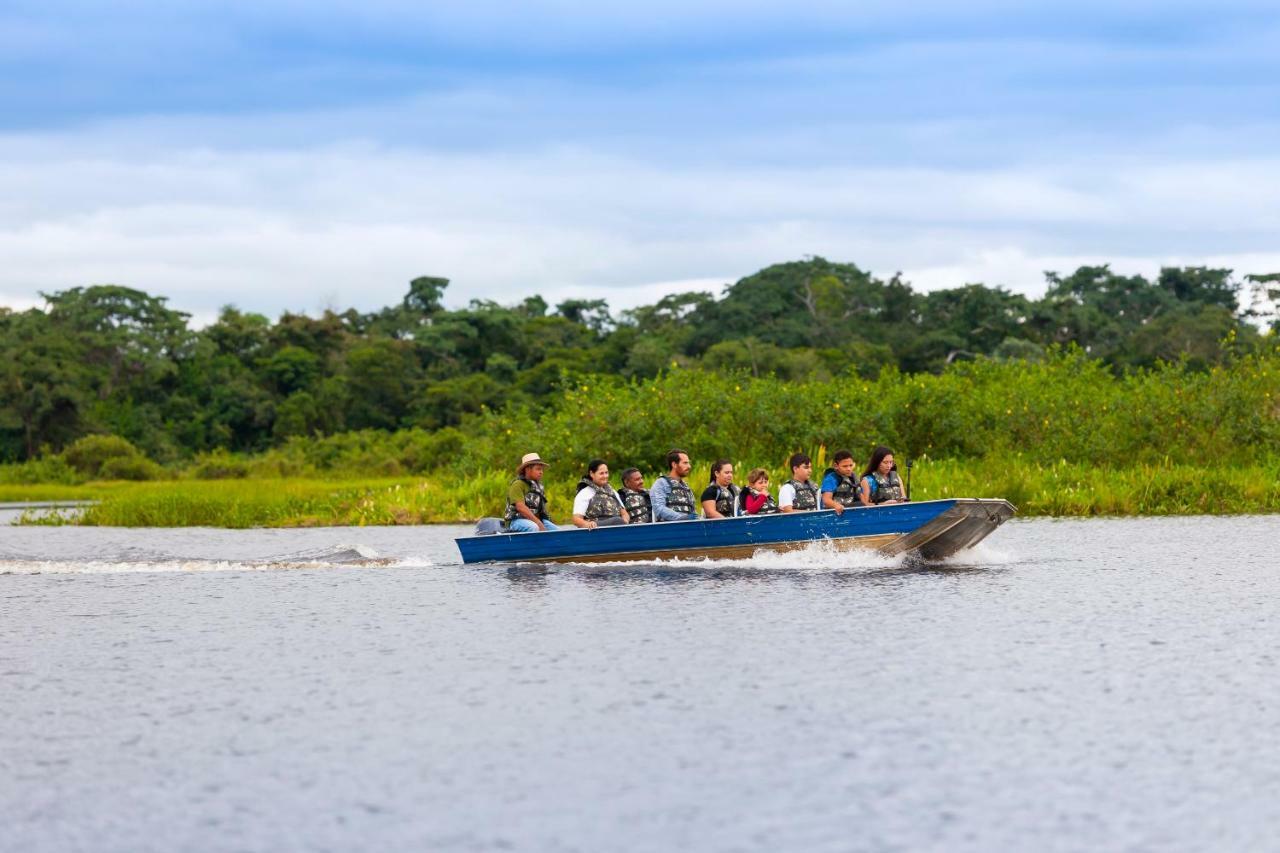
x=910, y=462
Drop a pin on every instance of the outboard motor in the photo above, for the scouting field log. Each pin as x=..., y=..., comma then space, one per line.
x=489, y=526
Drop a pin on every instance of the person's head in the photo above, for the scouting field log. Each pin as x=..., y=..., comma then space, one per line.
x=678, y=463
x=881, y=462
x=758, y=479
x=632, y=479
x=801, y=467
x=843, y=463
x=598, y=472
x=531, y=467
x=722, y=472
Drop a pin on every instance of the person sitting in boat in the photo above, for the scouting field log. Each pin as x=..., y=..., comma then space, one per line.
x=670, y=495
x=720, y=499
x=839, y=485
x=526, y=499
x=598, y=505
x=756, y=499
x=799, y=493
x=880, y=482
x=635, y=497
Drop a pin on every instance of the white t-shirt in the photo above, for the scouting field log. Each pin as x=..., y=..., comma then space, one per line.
x=584, y=497
x=787, y=495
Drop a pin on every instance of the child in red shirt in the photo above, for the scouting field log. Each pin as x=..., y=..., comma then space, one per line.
x=755, y=498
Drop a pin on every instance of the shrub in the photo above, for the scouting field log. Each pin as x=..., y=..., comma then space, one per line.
x=136, y=467
x=47, y=469
x=90, y=454
x=219, y=465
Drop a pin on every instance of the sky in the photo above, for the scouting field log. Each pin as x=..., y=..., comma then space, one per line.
x=281, y=155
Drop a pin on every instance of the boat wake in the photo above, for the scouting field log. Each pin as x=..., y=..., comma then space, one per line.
x=139, y=561
x=816, y=557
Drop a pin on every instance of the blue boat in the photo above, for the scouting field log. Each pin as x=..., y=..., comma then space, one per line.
x=931, y=529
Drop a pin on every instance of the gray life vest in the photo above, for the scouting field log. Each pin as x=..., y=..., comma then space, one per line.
x=806, y=494
x=535, y=499
x=638, y=505
x=770, y=505
x=681, y=497
x=726, y=500
x=846, y=493
x=603, y=504
x=885, y=488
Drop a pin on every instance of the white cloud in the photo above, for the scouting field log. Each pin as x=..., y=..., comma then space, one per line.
x=302, y=227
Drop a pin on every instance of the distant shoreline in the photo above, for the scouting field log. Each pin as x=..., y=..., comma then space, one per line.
x=1062, y=490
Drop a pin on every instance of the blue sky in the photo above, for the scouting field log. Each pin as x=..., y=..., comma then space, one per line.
x=289, y=155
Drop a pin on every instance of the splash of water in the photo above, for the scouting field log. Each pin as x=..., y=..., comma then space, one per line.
x=137, y=560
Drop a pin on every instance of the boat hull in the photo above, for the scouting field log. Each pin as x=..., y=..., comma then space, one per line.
x=931, y=529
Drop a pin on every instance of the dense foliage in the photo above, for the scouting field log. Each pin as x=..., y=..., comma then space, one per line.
x=856, y=360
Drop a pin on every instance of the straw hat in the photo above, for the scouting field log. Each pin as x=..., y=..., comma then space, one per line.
x=527, y=460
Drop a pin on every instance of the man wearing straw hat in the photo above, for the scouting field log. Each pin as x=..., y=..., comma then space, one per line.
x=526, y=499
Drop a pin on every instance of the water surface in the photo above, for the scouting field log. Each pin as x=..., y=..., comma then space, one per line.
x=1069, y=685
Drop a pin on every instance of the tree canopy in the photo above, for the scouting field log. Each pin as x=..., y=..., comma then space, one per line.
x=111, y=359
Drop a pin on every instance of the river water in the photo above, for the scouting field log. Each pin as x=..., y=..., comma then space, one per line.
x=1069, y=685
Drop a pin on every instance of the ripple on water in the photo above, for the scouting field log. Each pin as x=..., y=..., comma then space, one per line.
x=1065, y=685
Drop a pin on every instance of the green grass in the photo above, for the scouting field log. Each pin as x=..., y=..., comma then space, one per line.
x=1063, y=489
x=23, y=493
x=277, y=503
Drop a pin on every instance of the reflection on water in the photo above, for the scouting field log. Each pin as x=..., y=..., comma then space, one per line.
x=359, y=689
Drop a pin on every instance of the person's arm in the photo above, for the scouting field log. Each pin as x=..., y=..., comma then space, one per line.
x=626, y=516
x=864, y=493
x=787, y=498
x=580, y=503
x=522, y=509
x=658, y=494
x=828, y=496
x=709, y=505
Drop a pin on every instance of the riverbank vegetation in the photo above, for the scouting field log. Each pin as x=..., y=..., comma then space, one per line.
x=1060, y=436
x=1062, y=489
x=1111, y=394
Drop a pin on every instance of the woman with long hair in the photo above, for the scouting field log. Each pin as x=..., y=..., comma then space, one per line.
x=720, y=499
x=880, y=482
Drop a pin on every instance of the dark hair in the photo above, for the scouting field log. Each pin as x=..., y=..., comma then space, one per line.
x=716, y=466
x=877, y=456
x=798, y=459
x=840, y=456
x=627, y=473
x=673, y=456
x=594, y=465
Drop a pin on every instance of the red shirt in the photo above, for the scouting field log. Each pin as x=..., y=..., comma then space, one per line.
x=753, y=502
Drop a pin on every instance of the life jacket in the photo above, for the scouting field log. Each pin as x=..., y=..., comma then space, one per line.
x=727, y=499
x=681, y=497
x=846, y=493
x=535, y=499
x=603, y=504
x=885, y=488
x=638, y=505
x=769, y=507
x=806, y=494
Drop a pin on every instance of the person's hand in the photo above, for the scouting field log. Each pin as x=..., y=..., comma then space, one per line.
x=591, y=525
x=839, y=508
x=542, y=528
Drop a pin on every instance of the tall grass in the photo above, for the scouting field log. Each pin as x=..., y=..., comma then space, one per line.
x=1061, y=489
x=1065, y=436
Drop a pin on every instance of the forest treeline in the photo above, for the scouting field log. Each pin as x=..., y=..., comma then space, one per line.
x=115, y=360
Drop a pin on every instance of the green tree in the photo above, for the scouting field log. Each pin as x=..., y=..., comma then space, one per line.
x=382, y=376
x=43, y=384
